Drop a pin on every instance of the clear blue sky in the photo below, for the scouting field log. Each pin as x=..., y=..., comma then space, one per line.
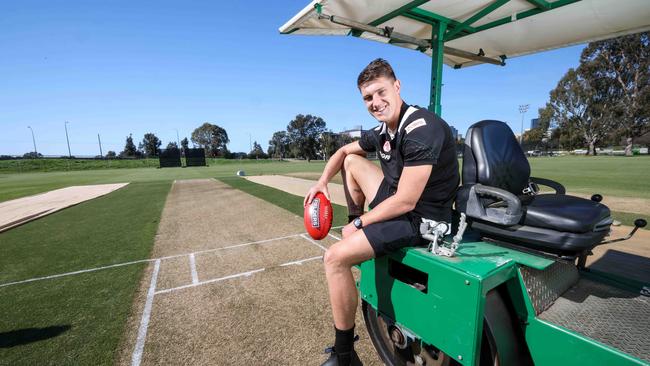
x=121, y=67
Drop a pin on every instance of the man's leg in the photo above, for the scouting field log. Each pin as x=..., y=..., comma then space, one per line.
x=361, y=180
x=339, y=260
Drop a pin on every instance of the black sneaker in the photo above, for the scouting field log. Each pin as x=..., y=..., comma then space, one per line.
x=336, y=359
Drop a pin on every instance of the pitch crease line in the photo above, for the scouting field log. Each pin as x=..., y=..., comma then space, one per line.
x=145, y=261
x=237, y=275
x=300, y=262
x=334, y=236
x=146, y=314
x=313, y=241
x=195, y=276
x=243, y=274
x=76, y=272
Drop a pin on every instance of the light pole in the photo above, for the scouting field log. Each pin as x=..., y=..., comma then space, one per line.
x=67, y=139
x=178, y=140
x=522, y=109
x=101, y=153
x=34, y=141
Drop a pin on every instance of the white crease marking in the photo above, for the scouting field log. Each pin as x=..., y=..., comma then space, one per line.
x=195, y=276
x=300, y=262
x=147, y=260
x=313, y=241
x=146, y=314
x=243, y=274
x=334, y=236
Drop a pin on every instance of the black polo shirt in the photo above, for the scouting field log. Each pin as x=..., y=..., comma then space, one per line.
x=421, y=138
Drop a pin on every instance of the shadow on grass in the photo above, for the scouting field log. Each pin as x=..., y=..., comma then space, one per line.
x=30, y=335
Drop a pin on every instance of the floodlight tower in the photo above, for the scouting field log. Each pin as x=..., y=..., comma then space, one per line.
x=34, y=141
x=67, y=139
x=522, y=109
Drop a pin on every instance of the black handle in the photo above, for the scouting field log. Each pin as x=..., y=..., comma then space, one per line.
x=513, y=203
x=559, y=188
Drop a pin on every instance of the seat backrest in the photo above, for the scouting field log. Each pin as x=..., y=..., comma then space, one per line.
x=493, y=157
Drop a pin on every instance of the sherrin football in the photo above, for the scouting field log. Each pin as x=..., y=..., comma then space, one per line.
x=318, y=216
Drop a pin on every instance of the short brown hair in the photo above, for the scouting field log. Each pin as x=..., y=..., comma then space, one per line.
x=375, y=70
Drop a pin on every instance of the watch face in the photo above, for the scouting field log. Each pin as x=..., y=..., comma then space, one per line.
x=357, y=223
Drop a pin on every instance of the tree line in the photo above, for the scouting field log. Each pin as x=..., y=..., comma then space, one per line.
x=306, y=137
x=604, y=101
x=211, y=137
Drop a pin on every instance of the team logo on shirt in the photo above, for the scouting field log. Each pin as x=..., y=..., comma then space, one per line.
x=385, y=151
x=387, y=146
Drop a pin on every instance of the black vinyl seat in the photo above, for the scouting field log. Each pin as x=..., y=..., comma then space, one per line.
x=500, y=198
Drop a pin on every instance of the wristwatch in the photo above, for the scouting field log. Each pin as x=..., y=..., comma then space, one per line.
x=357, y=223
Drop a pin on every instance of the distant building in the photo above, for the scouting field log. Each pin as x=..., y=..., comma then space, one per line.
x=454, y=132
x=355, y=132
x=552, y=126
x=534, y=123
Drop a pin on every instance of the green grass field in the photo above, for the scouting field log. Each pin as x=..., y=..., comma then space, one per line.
x=80, y=319
x=57, y=165
x=607, y=175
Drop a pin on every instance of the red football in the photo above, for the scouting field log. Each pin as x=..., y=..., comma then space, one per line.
x=318, y=216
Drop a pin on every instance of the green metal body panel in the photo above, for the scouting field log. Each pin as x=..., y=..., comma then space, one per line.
x=449, y=313
x=550, y=344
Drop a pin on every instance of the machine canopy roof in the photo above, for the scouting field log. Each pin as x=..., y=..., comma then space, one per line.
x=476, y=31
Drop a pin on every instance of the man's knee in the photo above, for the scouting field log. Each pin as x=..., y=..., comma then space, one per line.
x=351, y=160
x=334, y=258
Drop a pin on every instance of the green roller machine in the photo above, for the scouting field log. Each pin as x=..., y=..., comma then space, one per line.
x=507, y=283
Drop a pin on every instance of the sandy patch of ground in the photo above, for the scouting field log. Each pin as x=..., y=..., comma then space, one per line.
x=19, y=211
x=206, y=311
x=314, y=176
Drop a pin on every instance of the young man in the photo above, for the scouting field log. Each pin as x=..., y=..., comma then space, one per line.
x=417, y=179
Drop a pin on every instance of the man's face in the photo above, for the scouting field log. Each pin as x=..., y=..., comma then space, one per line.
x=382, y=99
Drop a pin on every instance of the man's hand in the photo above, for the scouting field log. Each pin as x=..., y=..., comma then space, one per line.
x=318, y=187
x=348, y=230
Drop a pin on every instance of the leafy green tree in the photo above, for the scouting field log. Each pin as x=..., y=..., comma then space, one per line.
x=211, y=137
x=304, y=133
x=150, y=144
x=172, y=146
x=111, y=154
x=32, y=155
x=278, y=145
x=623, y=65
x=584, y=104
x=330, y=142
x=130, y=151
x=257, y=152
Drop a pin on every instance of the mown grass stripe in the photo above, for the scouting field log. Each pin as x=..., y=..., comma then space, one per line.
x=289, y=202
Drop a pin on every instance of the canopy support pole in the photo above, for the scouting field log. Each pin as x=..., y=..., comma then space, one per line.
x=437, y=52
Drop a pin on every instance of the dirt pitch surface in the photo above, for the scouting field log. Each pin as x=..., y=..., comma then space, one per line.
x=19, y=211
x=234, y=281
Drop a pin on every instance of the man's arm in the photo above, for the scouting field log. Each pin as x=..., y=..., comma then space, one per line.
x=332, y=167
x=410, y=188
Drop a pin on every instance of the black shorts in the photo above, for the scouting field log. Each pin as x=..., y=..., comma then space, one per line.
x=391, y=235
